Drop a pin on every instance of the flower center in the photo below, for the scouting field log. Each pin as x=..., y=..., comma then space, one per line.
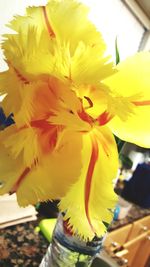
x=83, y=114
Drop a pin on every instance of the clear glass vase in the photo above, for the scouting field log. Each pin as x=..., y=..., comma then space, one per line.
x=67, y=250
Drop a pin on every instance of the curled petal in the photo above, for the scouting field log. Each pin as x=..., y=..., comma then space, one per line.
x=132, y=77
x=135, y=129
x=133, y=82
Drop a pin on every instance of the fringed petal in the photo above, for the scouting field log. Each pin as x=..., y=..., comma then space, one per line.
x=10, y=169
x=52, y=177
x=61, y=51
x=92, y=196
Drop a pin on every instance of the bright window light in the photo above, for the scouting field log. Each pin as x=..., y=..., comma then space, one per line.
x=114, y=19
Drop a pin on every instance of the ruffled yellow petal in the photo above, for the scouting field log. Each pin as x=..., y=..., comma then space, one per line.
x=55, y=173
x=44, y=45
x=89, y=65
x=23, y=143
x=91, y=197
x=19, y=95
x=132, y=86
x=33, y=175
x=10, y=85
x=71, y=121
x=56, y=17
x=10, y=168
x=79, y=26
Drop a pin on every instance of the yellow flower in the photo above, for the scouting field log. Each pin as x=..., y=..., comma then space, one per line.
x=68, y=99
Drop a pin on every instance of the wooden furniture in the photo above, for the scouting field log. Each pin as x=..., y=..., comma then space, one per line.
x=138, y=250
x=119, y=236
x=139, y=227
x=131, y=243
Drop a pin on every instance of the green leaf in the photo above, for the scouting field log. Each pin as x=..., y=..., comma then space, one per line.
x=120, y=143
x=117, y=51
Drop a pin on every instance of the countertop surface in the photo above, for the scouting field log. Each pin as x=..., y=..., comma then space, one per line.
x=21, y=246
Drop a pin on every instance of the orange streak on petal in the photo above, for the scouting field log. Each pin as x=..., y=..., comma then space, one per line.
x=20, y=179
x=104, y=118
x=67, y=229
x=141, y=103
x=48, y=135
x=89, y=101
x=41, y=124
x=93, y=159
x=19, y=75
x=49, y=28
